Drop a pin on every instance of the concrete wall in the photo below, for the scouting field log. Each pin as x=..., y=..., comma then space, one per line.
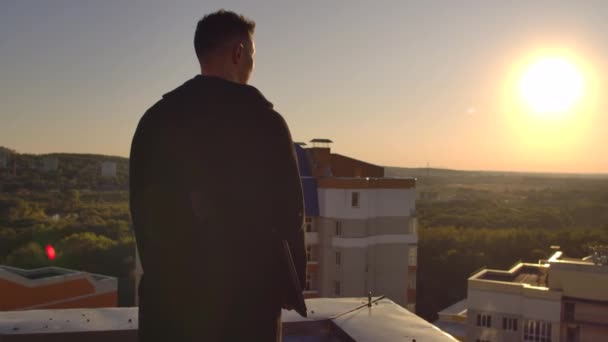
x=590, y=318
x=336, y=203
x=593, y=334
x=374, y=256
x=389, y=272
x=514, y=304
x=579, y=280
x=511, y=300
x=592, y=313
x=496, y=333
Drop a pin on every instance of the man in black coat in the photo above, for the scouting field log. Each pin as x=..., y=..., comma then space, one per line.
x=214, y=188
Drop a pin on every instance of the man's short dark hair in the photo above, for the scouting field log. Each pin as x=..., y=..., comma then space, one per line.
x=217, y=28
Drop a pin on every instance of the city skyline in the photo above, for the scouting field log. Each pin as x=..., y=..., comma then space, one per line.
x=392, y=83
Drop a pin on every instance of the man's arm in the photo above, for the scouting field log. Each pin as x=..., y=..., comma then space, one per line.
x=287, y=199
x=145, y=189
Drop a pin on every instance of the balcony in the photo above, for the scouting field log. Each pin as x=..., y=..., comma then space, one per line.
x=312, y=238
x=338, y=319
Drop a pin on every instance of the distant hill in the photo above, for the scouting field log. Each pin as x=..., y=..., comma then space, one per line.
x=391, y=171
x=62, y=171
x=406, y=172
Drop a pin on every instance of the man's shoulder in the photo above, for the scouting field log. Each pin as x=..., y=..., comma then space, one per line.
x=154, y=114
x=265, y=107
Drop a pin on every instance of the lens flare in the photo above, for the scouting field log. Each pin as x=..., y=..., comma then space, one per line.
x=50, y=252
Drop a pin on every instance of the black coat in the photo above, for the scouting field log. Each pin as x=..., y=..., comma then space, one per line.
x=214, y=184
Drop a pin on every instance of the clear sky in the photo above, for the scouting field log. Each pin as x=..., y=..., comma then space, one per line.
x=398, y=83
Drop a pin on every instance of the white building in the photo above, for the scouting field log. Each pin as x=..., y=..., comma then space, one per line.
x=108, y=169
x=560, y=299
x=50, y=164
x=453, y=320
x=361, y=228
x=3, y=160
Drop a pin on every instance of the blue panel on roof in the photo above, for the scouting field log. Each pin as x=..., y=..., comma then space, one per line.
x=309, y=183
x=311, y=201
x=302, y=161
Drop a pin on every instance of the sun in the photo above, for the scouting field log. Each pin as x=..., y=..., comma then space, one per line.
x=551, y=86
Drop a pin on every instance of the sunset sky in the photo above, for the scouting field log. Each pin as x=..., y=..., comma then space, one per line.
x=397, y=83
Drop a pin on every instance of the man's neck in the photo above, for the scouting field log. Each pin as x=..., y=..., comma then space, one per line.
x=223, y=74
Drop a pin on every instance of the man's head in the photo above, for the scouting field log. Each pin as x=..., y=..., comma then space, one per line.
x=224, y=46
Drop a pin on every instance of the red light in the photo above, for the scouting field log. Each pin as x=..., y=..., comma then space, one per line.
x=50, y=252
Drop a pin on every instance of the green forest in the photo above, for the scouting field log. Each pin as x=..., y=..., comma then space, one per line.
x=470, y=220
x=84, y=216
x=467, y=220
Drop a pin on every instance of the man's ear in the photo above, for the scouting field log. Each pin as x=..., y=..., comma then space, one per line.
x=237, y=53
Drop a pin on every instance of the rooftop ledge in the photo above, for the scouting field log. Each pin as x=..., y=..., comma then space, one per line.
x=531, y=275
x=366, y=183
x=328, y=318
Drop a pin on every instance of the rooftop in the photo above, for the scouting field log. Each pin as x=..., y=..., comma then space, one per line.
x=37, y=273
x=45, y=275
x=456, y=309
x=335, y=319
x=453, y=319
x=522, y=273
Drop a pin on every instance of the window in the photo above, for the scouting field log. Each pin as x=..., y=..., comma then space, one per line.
x=569, y=311
x=411, y=281
x=308, y=222
x=537, y=331
x=481, y=340
x=509, y=323
x=412, y=255
x=308, y=253
x=354, y=201
x=338, y=258
x=484, y=320
x=339, y=228
x=337, y=290
x=308, y=282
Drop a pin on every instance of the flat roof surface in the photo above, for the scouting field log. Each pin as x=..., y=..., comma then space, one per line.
x=384, y=321
x=38, y=273
x=458, y=329
x=531, y=275
x=458, y=308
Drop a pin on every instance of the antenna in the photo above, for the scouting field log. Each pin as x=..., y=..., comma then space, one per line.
x=599, y=255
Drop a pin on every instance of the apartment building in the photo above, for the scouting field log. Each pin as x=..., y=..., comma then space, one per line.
x=3, y=159
x=360, y=228
x=559, y=299
x=49, y=164
x=584, y=287
x=453, y=320
x=55, y=288
x=108, y=169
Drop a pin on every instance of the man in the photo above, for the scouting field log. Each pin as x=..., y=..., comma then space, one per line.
x=214, y=188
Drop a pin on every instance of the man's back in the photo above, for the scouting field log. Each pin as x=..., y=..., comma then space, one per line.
x=214, y=186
